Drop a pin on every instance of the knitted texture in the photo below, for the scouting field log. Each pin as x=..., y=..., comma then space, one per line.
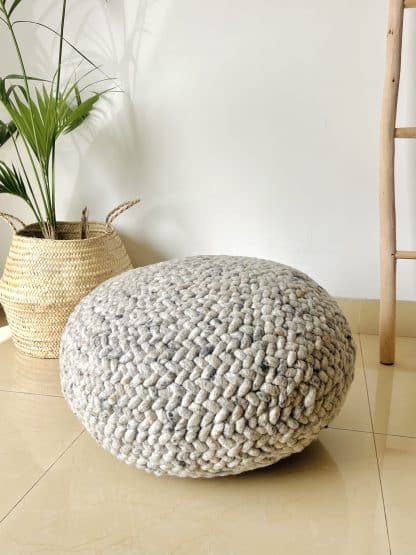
x=206, y=366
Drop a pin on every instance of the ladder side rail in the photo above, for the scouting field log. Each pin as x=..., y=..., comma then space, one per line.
x=387, y=183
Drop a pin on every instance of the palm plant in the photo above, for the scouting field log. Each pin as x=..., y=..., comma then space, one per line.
x=41, y=111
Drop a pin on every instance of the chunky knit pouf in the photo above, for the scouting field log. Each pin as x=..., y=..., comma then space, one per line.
x=206, y=366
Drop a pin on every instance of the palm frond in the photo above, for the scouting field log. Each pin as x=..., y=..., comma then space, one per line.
x=23, y=77
x=10, y=9
x=6, y=90
x=77, y=115
x=43, y=117
x=40, y=115
x=12, y=182
x=66, y=41
x=6, y=131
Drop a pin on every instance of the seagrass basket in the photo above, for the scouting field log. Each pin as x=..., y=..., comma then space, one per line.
x=45, y=279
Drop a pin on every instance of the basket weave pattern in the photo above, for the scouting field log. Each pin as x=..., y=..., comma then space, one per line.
x=45, y=279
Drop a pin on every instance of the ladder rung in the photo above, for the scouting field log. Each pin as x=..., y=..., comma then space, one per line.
x=406, y=255
x=405, y=132
x=410, y=3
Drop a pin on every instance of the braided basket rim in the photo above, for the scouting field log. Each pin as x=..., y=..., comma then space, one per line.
x=107, y=229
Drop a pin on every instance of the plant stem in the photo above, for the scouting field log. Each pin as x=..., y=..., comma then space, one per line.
x=58, y=82
x=34, y=206
x=61, y=42
x=46, y=201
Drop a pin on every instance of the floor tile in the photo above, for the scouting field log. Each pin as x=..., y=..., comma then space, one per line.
x=351, y=309
x=325, y=500
x=406, y=317
x=34, y=431
x=19, y=372
x=397, y=459
x=405, y=320
x=355, y=414
x=369, y=316
x=392, y=389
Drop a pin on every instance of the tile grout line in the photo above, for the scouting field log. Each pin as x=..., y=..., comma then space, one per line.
x=360, y=313
x=331, y=427
x=41, y=477
x=375, y=446
x=31, y=393
x=393, y=435
x=377, y=334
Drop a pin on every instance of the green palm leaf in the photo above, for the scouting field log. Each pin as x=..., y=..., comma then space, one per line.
x=14, y=6
x=75, y=116
x=6, y=90
x=28, y=120
x=12, y=182
x=39, y=116
x=6, y=131
x=43, y=117
x=9, y=7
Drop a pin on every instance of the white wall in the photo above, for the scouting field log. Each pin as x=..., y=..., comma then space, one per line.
x=247, y=127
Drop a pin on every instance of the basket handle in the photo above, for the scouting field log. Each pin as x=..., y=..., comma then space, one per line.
x=12, y=221
x=119, y=210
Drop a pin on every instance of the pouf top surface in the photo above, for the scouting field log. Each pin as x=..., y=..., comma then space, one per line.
x=208, y=365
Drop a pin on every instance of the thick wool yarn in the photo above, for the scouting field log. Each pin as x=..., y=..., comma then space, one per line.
x=206, y=366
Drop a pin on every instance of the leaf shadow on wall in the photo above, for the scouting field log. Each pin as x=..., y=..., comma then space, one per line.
x=110, y=150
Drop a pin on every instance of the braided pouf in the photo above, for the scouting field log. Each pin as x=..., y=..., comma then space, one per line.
x=206, y=366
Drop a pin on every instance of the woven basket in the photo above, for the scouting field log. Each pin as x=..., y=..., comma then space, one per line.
x=45, y=279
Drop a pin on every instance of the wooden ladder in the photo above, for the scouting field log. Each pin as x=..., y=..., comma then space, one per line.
x=389, y=133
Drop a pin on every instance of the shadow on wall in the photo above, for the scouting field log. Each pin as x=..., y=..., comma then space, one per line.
x=113, y=154
x=106, y=162
x=141, y=252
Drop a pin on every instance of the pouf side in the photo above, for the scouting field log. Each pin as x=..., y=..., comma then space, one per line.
x=207, y=366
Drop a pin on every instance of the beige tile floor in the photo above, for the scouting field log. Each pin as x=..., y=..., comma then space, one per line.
x=351, y=492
